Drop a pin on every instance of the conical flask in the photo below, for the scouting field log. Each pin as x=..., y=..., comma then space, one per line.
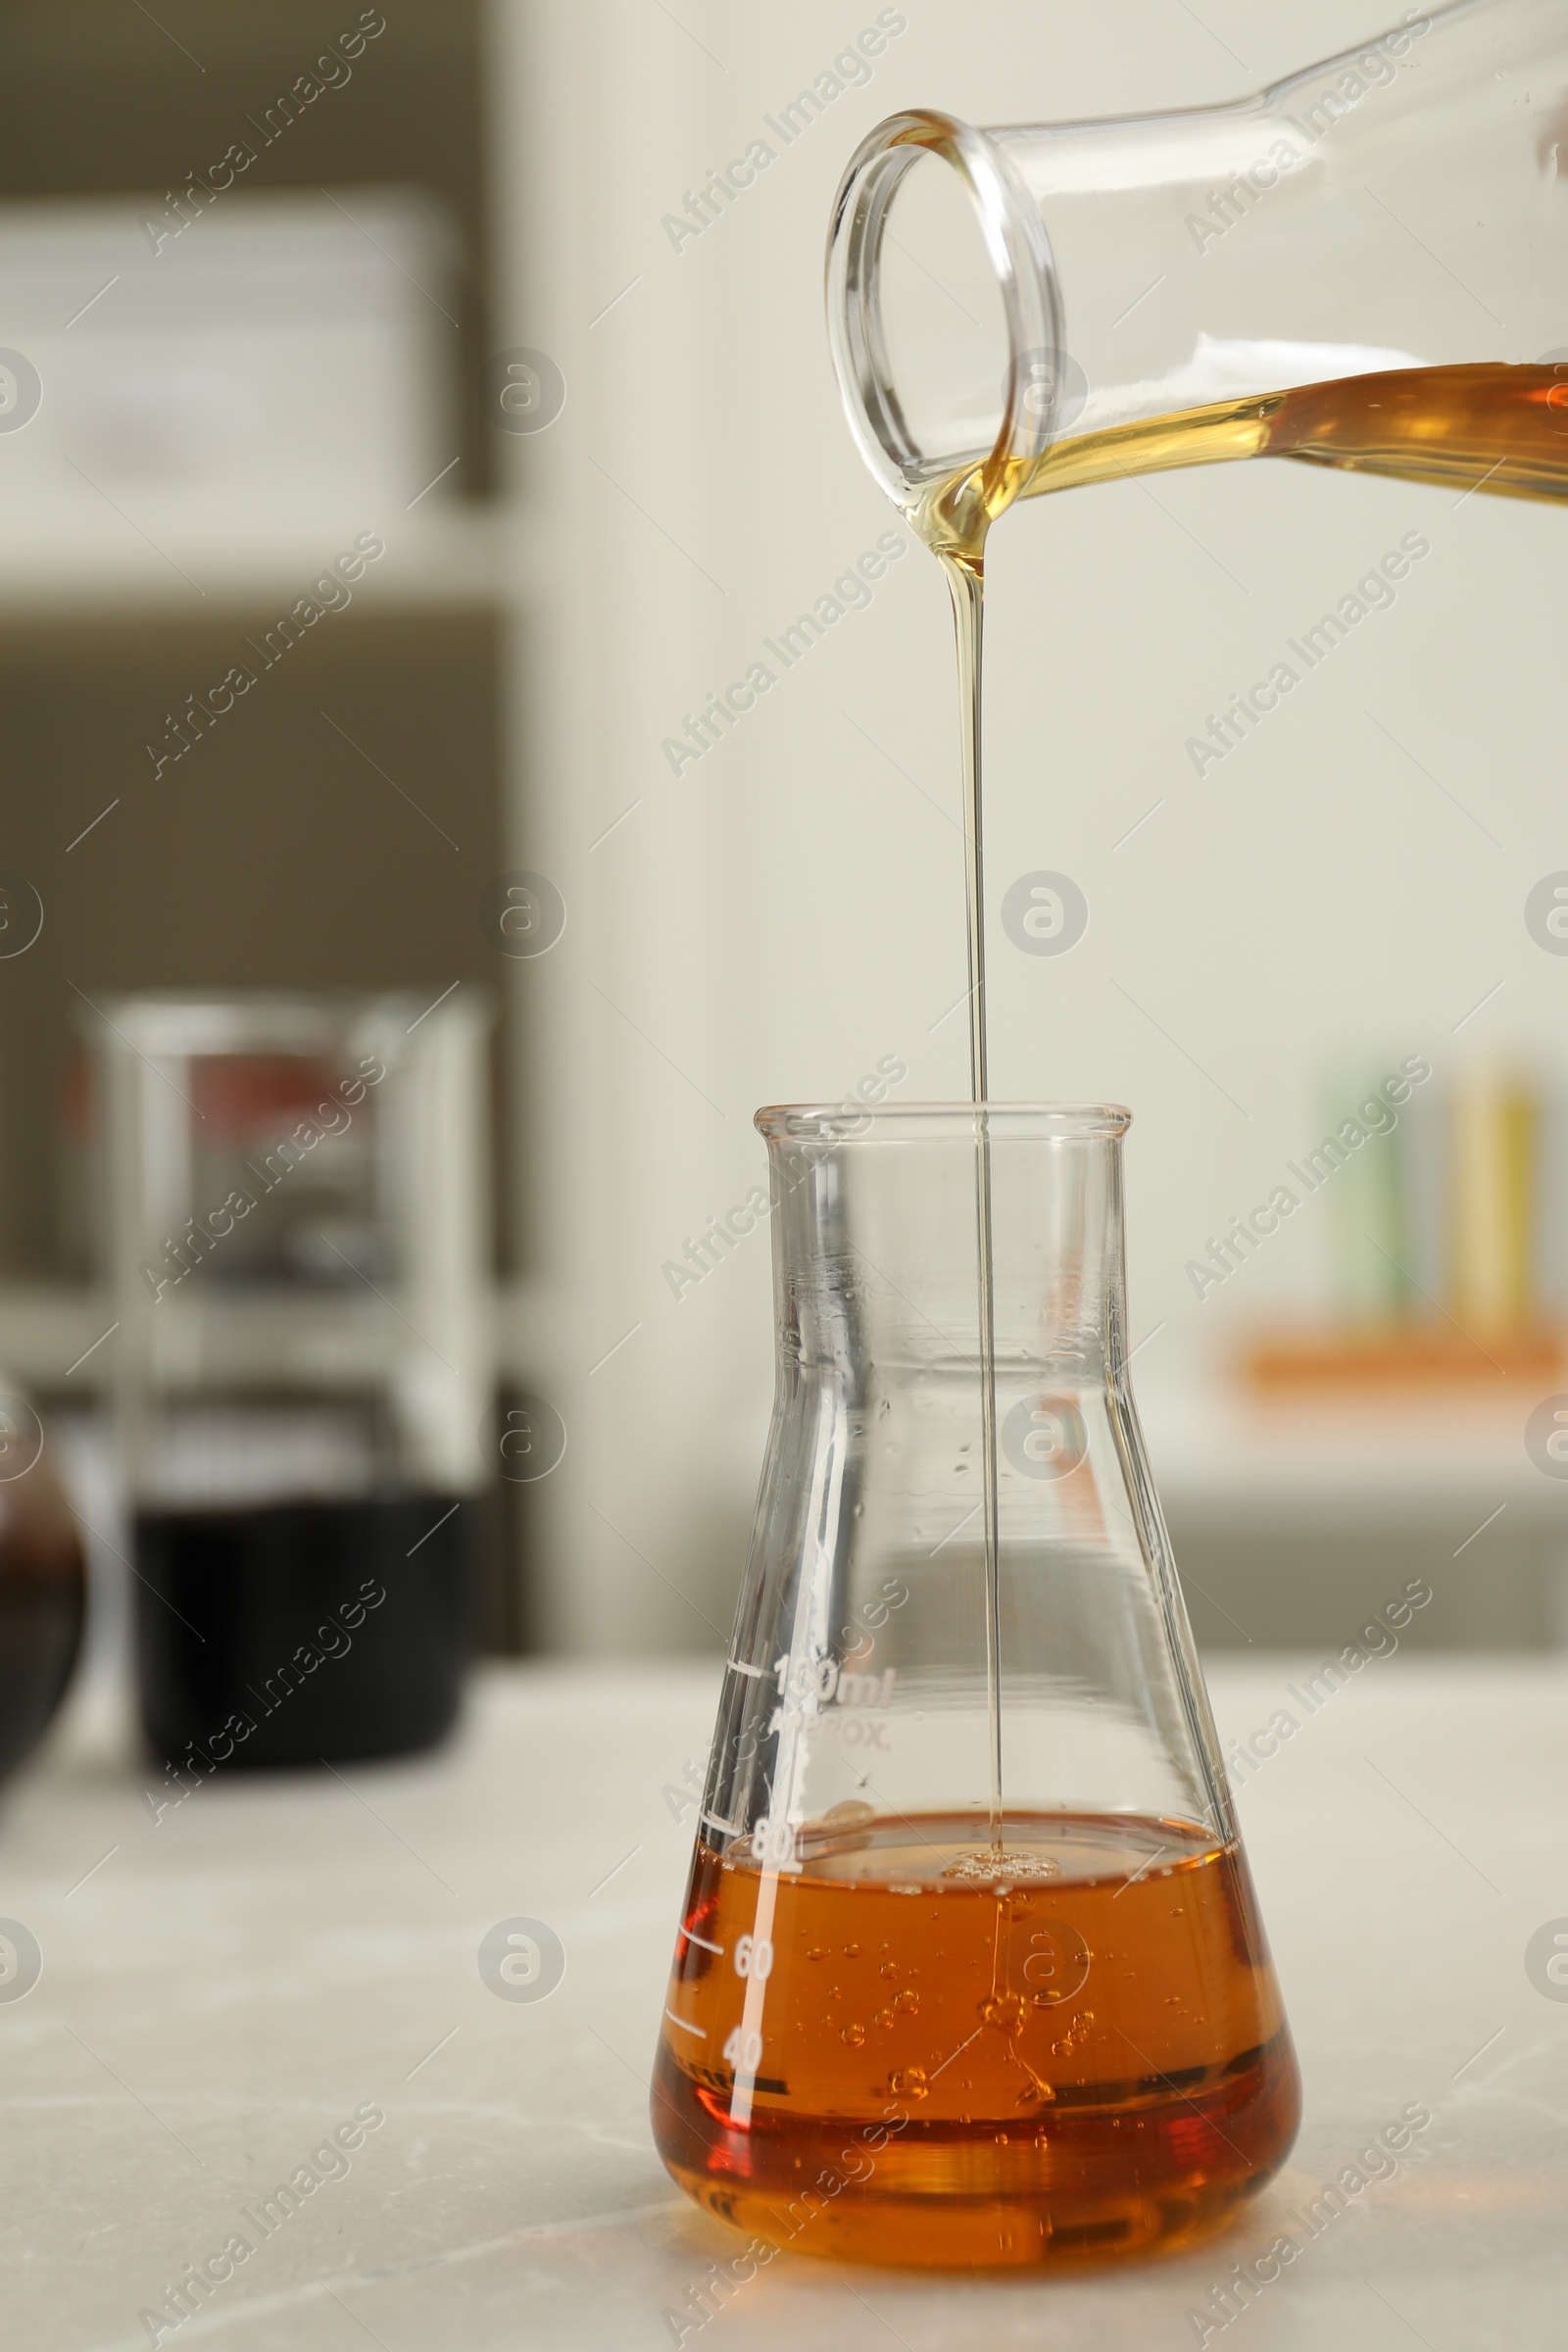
x=970, y=1970
x=1366, y=265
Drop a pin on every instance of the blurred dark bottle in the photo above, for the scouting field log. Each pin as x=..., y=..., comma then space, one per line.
x=43, y=1585
x=294, y=1205
x=312, y=1631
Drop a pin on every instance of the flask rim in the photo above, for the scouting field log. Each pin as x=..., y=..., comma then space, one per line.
x=1016, y=237
x=851, y=1123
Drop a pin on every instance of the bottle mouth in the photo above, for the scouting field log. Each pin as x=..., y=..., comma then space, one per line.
x=942, y=1122
x=901, y=453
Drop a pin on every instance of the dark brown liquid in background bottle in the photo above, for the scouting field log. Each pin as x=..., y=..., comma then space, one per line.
x=43, y=1596
x=260, y=1640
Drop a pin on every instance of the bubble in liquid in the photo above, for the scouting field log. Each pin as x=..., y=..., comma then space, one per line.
x=890, y=1968
x=988, y=1867
x=908, y=2083
x=854, y=2034
x=852, y=1951
x=907, y=2003
x=883, y=2016
x=1003, y=2010
x=818, y=1951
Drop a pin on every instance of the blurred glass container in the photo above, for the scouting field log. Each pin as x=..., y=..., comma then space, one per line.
x=43, y=1584
x=293, y=1215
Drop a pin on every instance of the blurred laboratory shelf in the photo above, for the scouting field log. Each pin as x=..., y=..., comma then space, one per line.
x=1300, y=1523
x=1213, y=1445
x=452, y=554
x=45, y=1327
x=1218, y=1446
x=59, y=1337
x=227, y=1981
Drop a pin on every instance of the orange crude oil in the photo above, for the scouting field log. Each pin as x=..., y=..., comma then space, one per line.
x=916, y=2050
x=1479, y=426
x=1486, y=426
x=1030, y=2040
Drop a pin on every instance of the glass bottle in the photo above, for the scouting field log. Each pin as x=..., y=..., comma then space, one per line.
x=294, y=1225
x=1360, y=266
x=43, y=1583
x=970, y=1970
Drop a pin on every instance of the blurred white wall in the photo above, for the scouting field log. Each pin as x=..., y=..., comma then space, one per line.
x=780, y=916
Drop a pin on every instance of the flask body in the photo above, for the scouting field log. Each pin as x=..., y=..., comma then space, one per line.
x=970, y=1970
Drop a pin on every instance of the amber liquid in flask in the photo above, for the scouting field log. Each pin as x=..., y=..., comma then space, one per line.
x=1074, y=2051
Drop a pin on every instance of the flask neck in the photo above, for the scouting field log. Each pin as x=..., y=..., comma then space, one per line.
x=876, y=1238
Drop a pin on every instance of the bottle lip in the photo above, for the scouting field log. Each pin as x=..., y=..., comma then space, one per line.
x=908, y=1122
x=1026, y=280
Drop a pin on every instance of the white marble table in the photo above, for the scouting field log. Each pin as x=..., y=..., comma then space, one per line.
x=230, y=1984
